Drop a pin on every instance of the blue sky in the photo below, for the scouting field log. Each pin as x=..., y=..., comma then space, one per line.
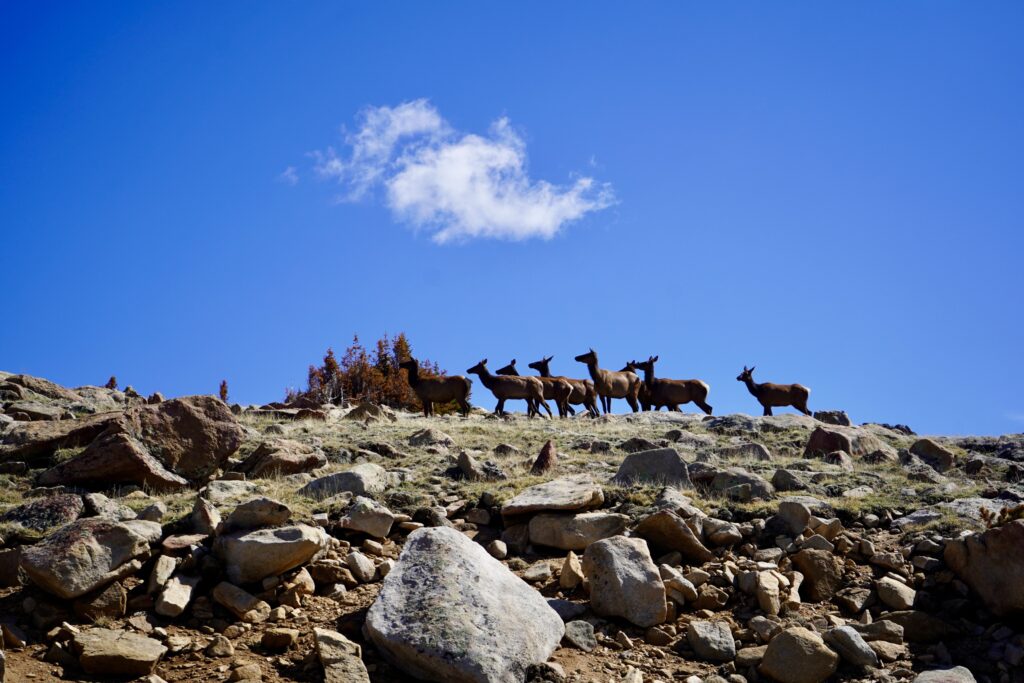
x=831, y=192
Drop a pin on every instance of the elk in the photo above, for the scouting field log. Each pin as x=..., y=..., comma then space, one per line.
x=505, y=387
x=431, y=390
x=777, y=395
x=583, y=392
x=556, y=391
x=610, y=384
x=671, y=392
x=644, y=395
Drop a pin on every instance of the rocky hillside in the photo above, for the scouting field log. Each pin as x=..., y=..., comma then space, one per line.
x=185, y=540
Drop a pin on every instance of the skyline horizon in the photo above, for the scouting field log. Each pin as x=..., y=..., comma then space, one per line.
x=830, y=193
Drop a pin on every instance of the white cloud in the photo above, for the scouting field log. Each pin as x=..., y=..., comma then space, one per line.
x=289, y=176
x=456, y=185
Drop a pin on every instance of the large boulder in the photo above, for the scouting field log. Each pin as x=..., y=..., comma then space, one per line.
x=740, y=484
x=448, y=611
x=660, y=466
x=362, y=480
x=250, y=556
x=113, y=458
x=798, y=655
x=575, y=532
x=939, y=457
x=85, y=555
x=161, y=446
x=989, y=562
x=282, y=456
x=668, y=530
x=624, y=581
x=854, y=441
x=106, y=652
x=192, y=436
x=568, y=493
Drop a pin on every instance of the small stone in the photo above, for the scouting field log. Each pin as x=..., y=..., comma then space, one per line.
x=895, y=594
x=537, y=573
x=571, y=574
x=798, y=655
x=497, y=549
x=243, y=605
x=361, y=566
x=279, y=638
x=220, y=647
x=711, y=640
x=580, y=634
x=852, y=647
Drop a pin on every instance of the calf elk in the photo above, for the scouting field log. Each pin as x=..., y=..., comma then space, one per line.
x=431, y=390
x=777, y=395
x=505, y=387
x=583, y=392
x=610, y=384
x=670, y=392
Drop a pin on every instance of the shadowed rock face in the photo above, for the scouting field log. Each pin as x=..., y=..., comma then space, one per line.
x=164, y=446
x=448, y=611
x=992, y=564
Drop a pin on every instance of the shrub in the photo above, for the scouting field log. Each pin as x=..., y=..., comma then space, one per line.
x=224, y=390
x=363, y=375
x=111, y=383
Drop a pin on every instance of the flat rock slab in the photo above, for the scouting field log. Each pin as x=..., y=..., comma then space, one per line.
x=575, y=532
x=448, y=611
x=107, y=652
x=567, y=493
x=362, y=480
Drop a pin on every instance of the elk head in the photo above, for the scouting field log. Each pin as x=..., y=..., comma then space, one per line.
x=747, y=374
x=588, y=357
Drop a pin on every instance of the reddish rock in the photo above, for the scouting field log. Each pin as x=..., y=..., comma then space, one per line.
x=282, y=456
x=547, y=459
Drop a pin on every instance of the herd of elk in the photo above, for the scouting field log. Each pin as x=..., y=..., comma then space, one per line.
x=648, y=393
x=505, y=387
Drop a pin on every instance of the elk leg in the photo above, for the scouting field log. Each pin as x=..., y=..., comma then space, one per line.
x=569, y=409
x=546, y=407
x=767, y=411
x=704, y=406
x=631, y=400
x=500, y=408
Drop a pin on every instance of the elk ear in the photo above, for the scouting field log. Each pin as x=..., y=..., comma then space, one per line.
x=751, y=368
x=483, y=362
x=655, y=359
x=513, y=362
x=548, y=359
